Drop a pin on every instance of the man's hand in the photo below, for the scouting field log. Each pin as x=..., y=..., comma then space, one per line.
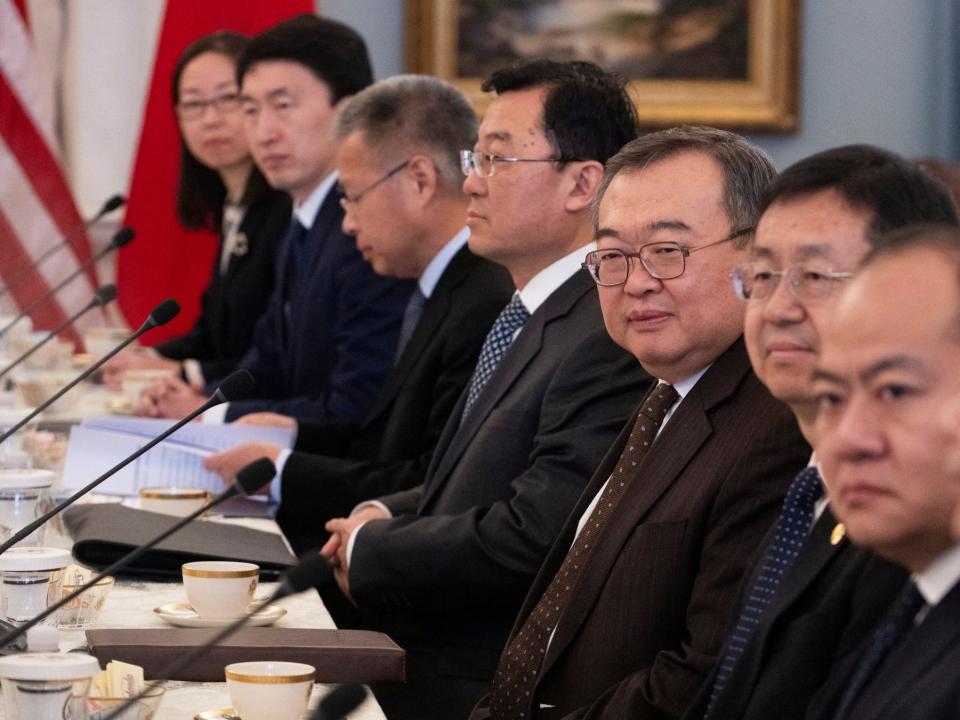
x=335, y=550
x=169, y=398
x=268, y=419
x=228, y=463
x=134, y=359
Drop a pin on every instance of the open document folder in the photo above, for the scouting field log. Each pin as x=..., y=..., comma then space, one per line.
x=99, y=443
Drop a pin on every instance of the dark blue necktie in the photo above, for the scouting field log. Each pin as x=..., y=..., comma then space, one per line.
x=411, y=316
x=511, y=319
x=891, y=629
x=792, y=528
x=295, y=242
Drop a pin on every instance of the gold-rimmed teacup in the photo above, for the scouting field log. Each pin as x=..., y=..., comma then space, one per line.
x=179, y=501
x=220, y=589
x=270, y=689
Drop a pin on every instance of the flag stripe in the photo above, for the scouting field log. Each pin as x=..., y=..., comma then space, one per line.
x=42, y=170
x=48, y=315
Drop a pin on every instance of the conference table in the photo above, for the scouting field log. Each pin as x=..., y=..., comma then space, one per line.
x=131, y=604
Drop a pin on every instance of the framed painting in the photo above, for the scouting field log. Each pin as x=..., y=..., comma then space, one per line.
x=727, y=63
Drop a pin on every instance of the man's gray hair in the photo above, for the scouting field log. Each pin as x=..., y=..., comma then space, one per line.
x=405, y=114
x=747, y=170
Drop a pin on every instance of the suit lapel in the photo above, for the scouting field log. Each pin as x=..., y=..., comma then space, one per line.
x=922, y=649
x=812, y=560
x=680, y=440
x=523, y=350
x=435, y=311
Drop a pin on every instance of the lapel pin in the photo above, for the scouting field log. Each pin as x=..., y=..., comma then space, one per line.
x=839, y=531
x=241, y=246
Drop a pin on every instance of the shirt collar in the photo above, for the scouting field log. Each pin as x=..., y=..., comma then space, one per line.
x=306, y=212
x=431, y=276
x=542, y=285
x=940, y=576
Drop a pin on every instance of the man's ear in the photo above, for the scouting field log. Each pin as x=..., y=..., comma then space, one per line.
x=426, y=176
x=586, y=176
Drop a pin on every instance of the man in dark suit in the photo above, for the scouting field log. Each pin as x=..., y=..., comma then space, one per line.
x=442, y=568
x=399, y=162
x=329, y=334
x=887, y=365
x=627, y=613
x=820, y=218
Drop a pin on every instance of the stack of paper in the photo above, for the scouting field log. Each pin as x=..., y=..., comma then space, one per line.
x=99, y=443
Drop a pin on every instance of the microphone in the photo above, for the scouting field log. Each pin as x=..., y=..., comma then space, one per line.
x=162, y=313
x=236, y=385
x=301, y=577
x=104, y=295
x=120, y=238
x=340, y=702
x=250, y=479
x=109, y=206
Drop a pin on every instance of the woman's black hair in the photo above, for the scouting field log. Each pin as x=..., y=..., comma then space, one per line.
x=200, y=191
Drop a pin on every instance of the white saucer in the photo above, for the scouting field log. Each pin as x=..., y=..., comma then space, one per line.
x=218, y=714
x=120, y=405
x=182, y=615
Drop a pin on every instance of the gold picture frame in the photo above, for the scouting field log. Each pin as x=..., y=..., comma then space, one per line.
x=765, y=101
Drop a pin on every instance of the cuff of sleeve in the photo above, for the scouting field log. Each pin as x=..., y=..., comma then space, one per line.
x=193, y=373
x=217, y=415
x=275, y=484
x=352, y=541
x=372, y=503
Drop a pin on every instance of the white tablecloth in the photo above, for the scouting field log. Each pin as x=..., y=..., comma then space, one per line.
x=131, y=604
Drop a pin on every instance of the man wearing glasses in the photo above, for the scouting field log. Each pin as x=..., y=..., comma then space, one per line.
x=627, y=612
x=398, y=155
x=443, y=568
x=805, y=607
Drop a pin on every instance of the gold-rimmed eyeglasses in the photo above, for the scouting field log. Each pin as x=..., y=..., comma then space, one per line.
x=662, y=260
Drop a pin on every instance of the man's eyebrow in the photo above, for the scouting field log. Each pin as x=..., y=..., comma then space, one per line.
x=668, y=225
x=826, y=376
x=901, y=361
x=606, y=232
x=497, y=135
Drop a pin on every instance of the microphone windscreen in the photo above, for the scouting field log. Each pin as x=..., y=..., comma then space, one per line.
x=238, y=385
x=255, y=475
x=340, y=701
x=302, y=576
x=106, y=294
x=163, y=313
x=112, y=204
x=121, y=237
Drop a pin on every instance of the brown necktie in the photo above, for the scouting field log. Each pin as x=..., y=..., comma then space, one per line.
x=519, y=667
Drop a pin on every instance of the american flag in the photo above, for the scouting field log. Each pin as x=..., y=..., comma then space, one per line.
x=37, y=209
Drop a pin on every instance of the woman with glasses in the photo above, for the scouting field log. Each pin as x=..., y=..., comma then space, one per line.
x=219, y=189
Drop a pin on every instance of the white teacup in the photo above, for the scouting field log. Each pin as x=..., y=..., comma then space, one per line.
x=270, y=690
x=173, y=500
x=220, y=589
x=134, y=381
x=98, y=341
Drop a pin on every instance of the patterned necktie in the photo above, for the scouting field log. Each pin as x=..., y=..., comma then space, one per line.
x=511, y=319
x=895, y=624
x=519, y=667
x=792, y=528
x=411, y=316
